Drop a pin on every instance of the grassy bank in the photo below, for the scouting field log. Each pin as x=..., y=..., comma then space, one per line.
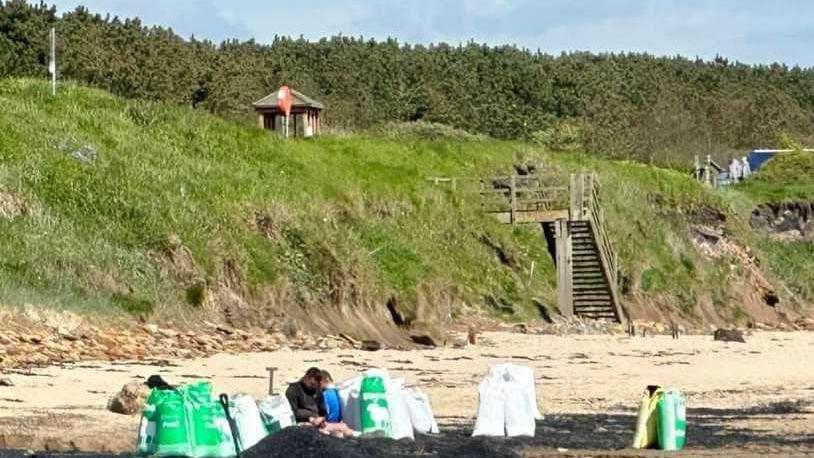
x=112, y=207
x=154, y=207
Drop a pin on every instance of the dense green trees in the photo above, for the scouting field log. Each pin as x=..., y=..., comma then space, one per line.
x=623, y=105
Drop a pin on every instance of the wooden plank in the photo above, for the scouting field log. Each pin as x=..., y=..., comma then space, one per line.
x=513, y=196
x=565, y=300
x=532, y=216
x=573, y=196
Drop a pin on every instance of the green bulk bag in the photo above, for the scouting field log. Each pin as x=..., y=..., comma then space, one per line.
x=672, y=424
x=373, y=401
x=211, y=431
x=147, y=427
x=200, y=391
x=173, y=432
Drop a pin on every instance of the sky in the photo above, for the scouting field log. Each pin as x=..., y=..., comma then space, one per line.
x=751, y=31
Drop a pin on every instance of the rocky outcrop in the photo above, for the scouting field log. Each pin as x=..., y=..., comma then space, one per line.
x=130, y=400
x=729, y=335
x=31, y=345
x=791, y=221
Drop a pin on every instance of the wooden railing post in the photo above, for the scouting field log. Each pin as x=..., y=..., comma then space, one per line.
x=565, y=291
x=513, y=197
x=575, y=203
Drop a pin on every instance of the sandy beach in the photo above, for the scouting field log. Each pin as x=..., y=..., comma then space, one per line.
x=753, y=397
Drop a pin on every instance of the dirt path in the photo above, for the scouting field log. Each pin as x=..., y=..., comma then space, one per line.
x=752, y=397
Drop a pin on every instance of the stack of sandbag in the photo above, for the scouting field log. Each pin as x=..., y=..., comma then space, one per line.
x=377, y=404
x=662, y=421
x=185, y=422
x=507, y=402
x=188, y=422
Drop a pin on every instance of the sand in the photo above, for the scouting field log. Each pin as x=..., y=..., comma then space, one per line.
x=757, y=396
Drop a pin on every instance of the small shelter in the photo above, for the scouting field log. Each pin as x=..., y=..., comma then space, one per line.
x=304, y=120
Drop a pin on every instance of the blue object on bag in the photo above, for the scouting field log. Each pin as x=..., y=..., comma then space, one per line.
x=332, y=405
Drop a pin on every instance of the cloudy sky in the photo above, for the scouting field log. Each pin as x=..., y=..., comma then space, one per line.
x=752, y=31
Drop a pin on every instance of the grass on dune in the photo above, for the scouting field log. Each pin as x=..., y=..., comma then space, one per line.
x=113, y=205
x=357, y=210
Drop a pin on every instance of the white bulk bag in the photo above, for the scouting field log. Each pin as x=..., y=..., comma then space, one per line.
x=350, y=403
x=401, y=427
x=418, y=405
x=525, y=376
x=279, y=408
x=246, y=416
x=519, y=413
x=491, y=408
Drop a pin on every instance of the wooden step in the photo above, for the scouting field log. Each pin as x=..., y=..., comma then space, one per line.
x=588, y=262
x=591, y=290
x=592, y=277
x=582, y=244
x=585, y=264
x=593, y=309
x=604, y=302
x=585, y=252
x=586, y=257
x=598, y=310
x=588, y=299
x=582, y=276
x=589, y=282
x=586, y=270
x=596, y=314
x=592, y=298
x=586, y=267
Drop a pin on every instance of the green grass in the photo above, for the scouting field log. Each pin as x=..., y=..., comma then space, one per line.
x=349, y=220
x=174, y=205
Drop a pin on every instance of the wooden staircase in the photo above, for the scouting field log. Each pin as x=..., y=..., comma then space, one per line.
x=592, y=295
x=573, y=222
x=587, y=265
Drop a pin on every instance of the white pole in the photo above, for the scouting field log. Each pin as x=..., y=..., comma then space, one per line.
x=53, y=65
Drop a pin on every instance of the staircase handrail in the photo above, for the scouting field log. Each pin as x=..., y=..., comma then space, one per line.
x=597, y=217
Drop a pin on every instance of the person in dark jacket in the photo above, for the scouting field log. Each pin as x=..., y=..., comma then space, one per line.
x=305, y=397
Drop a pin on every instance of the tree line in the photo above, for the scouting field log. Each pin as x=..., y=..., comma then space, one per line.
x=627, y=105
